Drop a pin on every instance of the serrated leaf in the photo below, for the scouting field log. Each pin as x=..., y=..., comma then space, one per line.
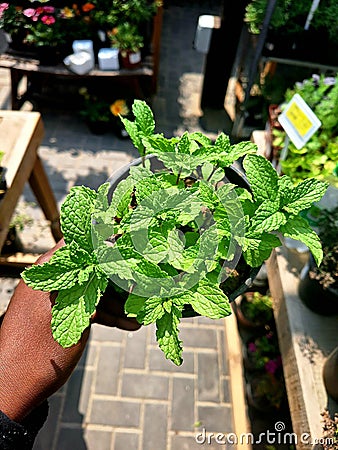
x=262, y=177
x=222, y=143
x=134, y=134
x=144, y=118
x=210, y=301
x=304, y=195
x=73, y=309
x=76, y=216
x=134, y=304
x=175, y=246
x=200, y=137
x=157, y=248
x=121, y=198
x=167, y=335
x=257, y=247
x=59, y=273
x=297, y=228
x=153, y=310
x=184, y=144
x=158, y=144
x=268, y=217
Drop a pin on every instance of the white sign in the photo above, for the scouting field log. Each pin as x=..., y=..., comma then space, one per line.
x=299, y=121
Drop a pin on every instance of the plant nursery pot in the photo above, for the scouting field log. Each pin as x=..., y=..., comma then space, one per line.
x=130, y=60
x=247, y=323
x=330, y=374
x=323, y=301
x=234, y=176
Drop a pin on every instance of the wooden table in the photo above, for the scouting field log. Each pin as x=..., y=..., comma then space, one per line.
x=21, y=134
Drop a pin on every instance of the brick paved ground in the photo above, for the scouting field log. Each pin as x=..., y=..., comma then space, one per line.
x=124, y=394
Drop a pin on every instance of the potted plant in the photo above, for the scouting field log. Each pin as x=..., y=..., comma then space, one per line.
x=102, y=115
x=266, y=392
x=3, y=185
x=287, y=36
x=330, y=374
x=254, y=310
x=178, y=227
x=129, y=41
x=318, y=157
x=261, y=353
x=329, y=440
x=318, y=286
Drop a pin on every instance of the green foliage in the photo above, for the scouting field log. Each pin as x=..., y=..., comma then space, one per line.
x=258, y=307
x=169, y=237
x=318, y=158
x=126, y=37
x=291, y=15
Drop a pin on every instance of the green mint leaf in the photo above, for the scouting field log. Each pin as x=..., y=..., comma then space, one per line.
x=200, y=138
x=158, y=144
x=76, y=216
x=144, y=118
x=262, y=177
x=237, y=151
x=268, y=217
x=157, y=248
x=184, y=145
x=222, y=143
x=167, y=335
x=73, y=309
x=257, y=247
x=133, y=305
x=303, y=195
x=153, y=310
x=59, y=273
x=210, y=301
x=135, y=136
x=119, y=205
x=298, y=228
x=175, y=246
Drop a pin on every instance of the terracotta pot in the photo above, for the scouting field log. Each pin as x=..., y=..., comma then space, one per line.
x=330, y=375
x=247, y=323
x=130, y=60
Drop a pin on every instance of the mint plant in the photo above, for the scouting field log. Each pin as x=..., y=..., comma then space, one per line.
x=172, y=237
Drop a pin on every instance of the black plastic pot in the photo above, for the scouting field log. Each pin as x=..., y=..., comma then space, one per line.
x=323, y=301
x=3, y=184
x=330, y=374
x=234, y=175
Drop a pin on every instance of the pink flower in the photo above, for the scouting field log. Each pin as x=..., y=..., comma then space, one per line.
x=48, y=20
x=252, y=347
x=3, y=7
x=48, y=9
x=29, y=12
x=271, y=366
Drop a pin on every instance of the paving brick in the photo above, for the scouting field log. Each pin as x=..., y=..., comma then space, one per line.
x=107, y=370
x=115, y=413
x=216, y=419
x=208, y=378
x=196, y=337
x=97, y=439
x=145, y=386
x=86, y=390
x=226, y=391
x=126, y=441
x=135, y=352
x=183, y=404
x=155, y=427
x=189, y=443
x=106, y=334
x=70, y=439
x=157, y=361
x=71, y=411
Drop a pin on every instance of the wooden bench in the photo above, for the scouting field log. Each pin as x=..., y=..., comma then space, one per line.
x=142, y=81
x=21, y=133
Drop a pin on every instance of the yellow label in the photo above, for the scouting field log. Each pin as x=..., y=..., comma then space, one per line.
x=299, y=119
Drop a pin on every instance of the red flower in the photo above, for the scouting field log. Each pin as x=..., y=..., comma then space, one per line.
x=88, y=7
x=48, y=20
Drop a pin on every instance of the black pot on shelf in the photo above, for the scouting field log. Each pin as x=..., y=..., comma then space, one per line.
x=323, y=301
x=3, y=184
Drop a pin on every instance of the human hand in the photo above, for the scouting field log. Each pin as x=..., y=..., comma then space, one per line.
x=32, y=364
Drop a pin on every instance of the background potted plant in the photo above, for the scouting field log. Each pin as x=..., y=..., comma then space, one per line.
x=318, y=157
x=262, y=352
x=127, y=39
x=254, y=310
x=287, y=37
x=176, y=229
x=318, y=286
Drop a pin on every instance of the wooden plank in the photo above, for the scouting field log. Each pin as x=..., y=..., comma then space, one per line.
x=19, y=259
x=20, y=135
x=305, y=339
